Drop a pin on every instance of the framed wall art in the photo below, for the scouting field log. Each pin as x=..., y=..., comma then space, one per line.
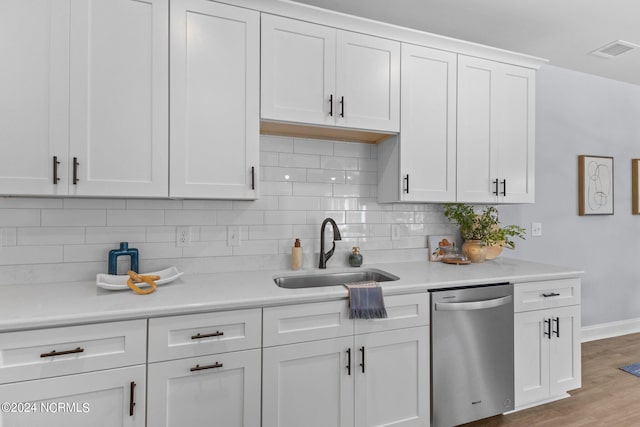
x=635, y=186
x=595, y=185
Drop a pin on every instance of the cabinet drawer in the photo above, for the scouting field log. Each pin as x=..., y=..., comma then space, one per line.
x=546, y=294
x=403, y=311
x=177, y=337
x=44, y=353
x=306, y=322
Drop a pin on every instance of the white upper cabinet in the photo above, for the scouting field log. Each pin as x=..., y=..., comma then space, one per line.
x=496, y=132
x=34, y=95
x=420, y=165
x=85, y=96
x=215, y=77
x=119, y=98
x=318, y=75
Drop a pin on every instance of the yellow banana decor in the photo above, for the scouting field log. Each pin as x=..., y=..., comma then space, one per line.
x=138, y=278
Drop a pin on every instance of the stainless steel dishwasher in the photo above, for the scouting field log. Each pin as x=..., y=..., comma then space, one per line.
x=471, y=353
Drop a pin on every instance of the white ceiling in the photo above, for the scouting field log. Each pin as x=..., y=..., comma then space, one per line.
x=562, y=31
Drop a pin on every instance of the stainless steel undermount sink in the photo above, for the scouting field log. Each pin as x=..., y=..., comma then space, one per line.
x=333, y=279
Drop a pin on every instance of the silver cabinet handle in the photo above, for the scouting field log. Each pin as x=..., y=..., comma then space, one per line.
x=473, y=305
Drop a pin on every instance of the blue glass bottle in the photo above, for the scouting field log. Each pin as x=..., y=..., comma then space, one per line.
x=123, y=251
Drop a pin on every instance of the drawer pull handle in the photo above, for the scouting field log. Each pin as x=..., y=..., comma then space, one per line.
x=202, y=368
x=552, y=294
x=200, y=336
x=132, y=398
x=60, y=353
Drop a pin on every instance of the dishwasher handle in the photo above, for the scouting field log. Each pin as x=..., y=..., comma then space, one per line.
x=473, y=305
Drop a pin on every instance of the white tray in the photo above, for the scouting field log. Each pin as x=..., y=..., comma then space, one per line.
x=118, y=283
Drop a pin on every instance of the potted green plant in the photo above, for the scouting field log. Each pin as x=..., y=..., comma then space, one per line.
x=481, y=229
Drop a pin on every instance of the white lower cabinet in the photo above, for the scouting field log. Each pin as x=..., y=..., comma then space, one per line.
x=74, y=376
x=196, y=391
x=220, y=383
x=547, y=352
x=115, y=397
x=367, y=379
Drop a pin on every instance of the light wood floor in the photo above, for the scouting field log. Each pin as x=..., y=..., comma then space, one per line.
x=608, y=397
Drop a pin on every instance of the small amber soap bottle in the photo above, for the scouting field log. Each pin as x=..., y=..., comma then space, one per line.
x=296, y=255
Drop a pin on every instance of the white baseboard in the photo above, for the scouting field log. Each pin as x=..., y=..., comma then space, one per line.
x=610, y=330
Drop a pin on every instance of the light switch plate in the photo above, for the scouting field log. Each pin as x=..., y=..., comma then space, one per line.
x=536, y=229
x=233, y=236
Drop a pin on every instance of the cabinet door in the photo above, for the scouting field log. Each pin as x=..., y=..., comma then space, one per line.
x=428, y=125
x=496, y=135
x=531, y=353
x=298, y=71
x=477, y=126
x=34, y=95
x=222, y=389
x=516, y=150
x=392, y=378
x=309, y=384
x=367, y=82
x=565, y=352
x=215, y=76
x=119, y=98
x=115, y=397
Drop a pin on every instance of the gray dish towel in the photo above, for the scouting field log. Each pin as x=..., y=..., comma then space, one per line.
x=365, y=300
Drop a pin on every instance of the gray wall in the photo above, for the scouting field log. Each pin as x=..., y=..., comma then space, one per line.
x=582, y=114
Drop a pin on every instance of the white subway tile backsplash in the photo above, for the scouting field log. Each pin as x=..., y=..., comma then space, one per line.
x=154, y=204
x=50, y=235
x=8, y=236
x=326, y=176
x=302, y=182
x=348, y=190
x=258, y=247
x=73, y=217
x=189, y=217
x=269, y=158
x=299, y=160
x=353, y=149
x=114, y=235
x=207, y=204
x=284, y=174
x=264, y=203
x=207, y=249
x=364, y=217
x=263, y=232
x=87, y=253
x=276, y=143
x=339, y=163
x=369, y=165
x=361, y=177
x=218, y=232
x=312, y=146
x=236, y=217
x=271, y=188
x=19, y=217
x=285, y=217
x=300, y=203
x=30, y=203
x=136, y=217
x=307, y=189
x=74, y=203
x=32, y=254
x=161, y=233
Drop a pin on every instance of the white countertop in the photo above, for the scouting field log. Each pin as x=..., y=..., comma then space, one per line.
x=59, y=304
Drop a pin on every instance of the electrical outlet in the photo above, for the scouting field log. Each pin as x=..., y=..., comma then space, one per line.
x=233, y=236
x=395, y=232
x=183, y=237
x=536, y=229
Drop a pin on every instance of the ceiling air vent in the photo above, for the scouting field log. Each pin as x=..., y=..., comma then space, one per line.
x=615, y=48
